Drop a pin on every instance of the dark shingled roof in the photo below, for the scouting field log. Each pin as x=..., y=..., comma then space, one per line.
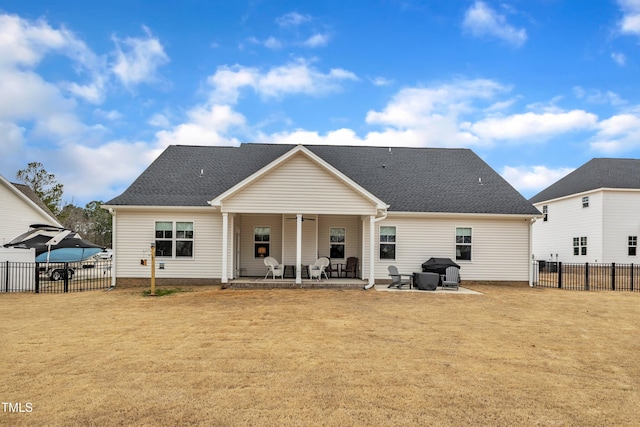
x=596, y=173
x=408, y=179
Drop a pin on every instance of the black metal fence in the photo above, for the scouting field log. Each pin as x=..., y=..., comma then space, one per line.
x=587, y=276
x=54, y=277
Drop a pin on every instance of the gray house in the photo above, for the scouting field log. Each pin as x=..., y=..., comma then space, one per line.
x=214, y=213
x=591, y=215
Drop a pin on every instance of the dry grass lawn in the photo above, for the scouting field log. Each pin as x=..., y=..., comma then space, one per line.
x=513, y=356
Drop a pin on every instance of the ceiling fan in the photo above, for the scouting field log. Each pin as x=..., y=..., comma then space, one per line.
x=304, y=218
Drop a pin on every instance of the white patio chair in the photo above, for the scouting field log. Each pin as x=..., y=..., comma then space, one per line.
x=273, y=267
x=452, y=278
x=317, y=269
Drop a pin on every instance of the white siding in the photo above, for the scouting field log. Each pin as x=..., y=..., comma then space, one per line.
x=251, y=265
x=568, y=219
x=621, y=221
x=299, y=185
x=16, y=215
x=500, y=247
x=136, y=231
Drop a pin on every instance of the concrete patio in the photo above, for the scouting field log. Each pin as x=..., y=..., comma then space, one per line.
x=333, y=283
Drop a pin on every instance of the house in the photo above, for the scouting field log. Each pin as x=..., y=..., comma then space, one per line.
x=21, y=207
x=591, y=215
x=214, y=213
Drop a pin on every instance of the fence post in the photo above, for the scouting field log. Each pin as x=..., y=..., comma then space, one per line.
x=586, y=276
x=559, y=271
x=6, y=277
x=37, y=277
x=66, y=277
x=631, y=277
x=613, y=276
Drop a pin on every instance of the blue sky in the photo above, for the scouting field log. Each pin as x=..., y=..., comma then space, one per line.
x=96, y=90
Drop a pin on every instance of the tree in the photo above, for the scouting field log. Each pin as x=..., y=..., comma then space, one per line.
x=92, y=222
x=74, y=218
x=44, y=184
x=100, y=221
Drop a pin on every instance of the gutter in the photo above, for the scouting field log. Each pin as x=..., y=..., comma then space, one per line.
x=531, y=251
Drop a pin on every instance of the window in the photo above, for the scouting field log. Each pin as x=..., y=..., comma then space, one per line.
x=633, y=245
x=579, y=245
x=262, y=239
x=585, y=202
x=545, y=212
x=463, y=244
x=166, y=240
x=337, y=237
x=184, y=239
x=387, y=242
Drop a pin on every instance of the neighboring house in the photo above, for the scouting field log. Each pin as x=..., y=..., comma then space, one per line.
x=21, y=207
x=213, y=213
x=591, y=215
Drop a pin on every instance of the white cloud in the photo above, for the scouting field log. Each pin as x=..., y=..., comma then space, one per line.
x=415, y=107
x=138, y=59
x=381, y=81
x=270, y=43
x=595, y=96
x=619, y=58
x=293, y=78
x=533, y=178
x=25, y=43
x=12, y=138
x=316, y=40
x=292, y=19
x=531, y=126
x=617, y=134
x=273, y=43
x=204, y=126
x=630, y=22
x=159, y=120
x=480, y=20
x=120, y=164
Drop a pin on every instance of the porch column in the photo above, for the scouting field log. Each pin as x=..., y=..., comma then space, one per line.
x=372, y=247
x=298, y=249
x=225, y=249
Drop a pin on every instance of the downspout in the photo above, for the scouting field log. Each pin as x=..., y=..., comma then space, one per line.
x=532, y=220
x=372, y=283
x=114, y=253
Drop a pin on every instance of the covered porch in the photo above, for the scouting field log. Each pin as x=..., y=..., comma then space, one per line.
x=297, y=241
x=296, y=210
x=337, y=237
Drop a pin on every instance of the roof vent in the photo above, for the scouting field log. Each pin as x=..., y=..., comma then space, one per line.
x=480, y=181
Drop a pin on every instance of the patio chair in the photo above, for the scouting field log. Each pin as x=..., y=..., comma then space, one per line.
x=396, y=278
x=333, y=268
x=317, y=269
x=273, y=267
x=351, y=267
x=452, y=278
